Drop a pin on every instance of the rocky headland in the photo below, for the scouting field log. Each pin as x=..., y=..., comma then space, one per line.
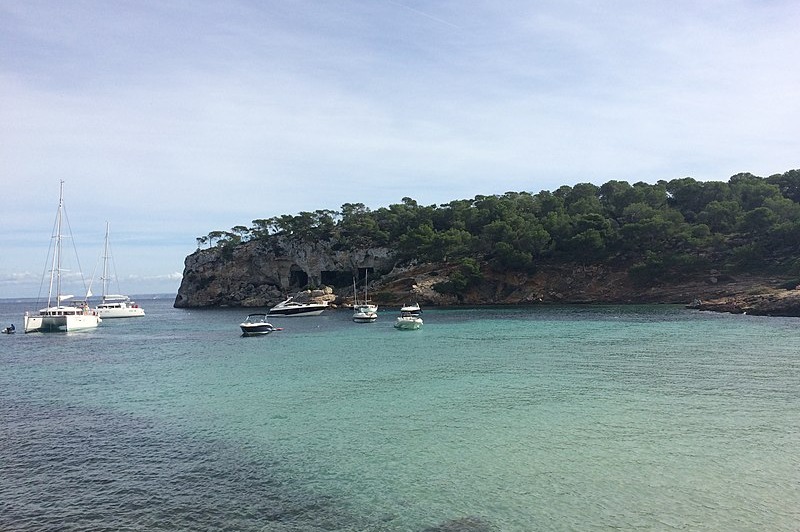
x=601, y=285
x=257, y=274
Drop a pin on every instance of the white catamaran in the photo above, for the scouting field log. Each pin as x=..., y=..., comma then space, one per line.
x=57, y=317
x=115, y=305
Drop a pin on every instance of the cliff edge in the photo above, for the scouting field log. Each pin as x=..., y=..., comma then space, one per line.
x=260, y=275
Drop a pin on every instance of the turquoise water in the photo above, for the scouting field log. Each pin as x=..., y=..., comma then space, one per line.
x=538, y=418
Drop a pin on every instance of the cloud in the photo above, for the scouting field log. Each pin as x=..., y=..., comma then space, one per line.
x=171, y=122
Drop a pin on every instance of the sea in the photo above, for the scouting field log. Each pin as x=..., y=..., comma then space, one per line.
x=517, y=419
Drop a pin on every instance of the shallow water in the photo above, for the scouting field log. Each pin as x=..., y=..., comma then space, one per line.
x=538, y=418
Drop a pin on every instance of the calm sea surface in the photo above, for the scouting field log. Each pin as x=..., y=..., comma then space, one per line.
x=523, y=419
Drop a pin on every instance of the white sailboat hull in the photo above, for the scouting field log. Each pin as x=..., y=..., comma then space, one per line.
x=365, y=313
x=59, y=319
x=120, y=312
x=119, y=309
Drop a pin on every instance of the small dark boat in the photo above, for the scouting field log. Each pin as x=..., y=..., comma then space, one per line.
x=10, y=329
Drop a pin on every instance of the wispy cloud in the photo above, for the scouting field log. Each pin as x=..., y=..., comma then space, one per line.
x=172, y=120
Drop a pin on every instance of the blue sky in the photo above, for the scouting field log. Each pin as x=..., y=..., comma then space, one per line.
x=170, y=119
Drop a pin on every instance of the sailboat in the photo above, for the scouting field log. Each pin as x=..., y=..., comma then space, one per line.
x=364, y=312
x=57, y=317
x=114, y=305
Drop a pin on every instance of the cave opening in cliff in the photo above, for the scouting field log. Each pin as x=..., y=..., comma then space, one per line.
x=364, y=273
x=336, y=278
x=298, y=278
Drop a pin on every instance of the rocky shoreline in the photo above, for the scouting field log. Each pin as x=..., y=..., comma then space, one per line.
x=256, y=275
x=747, y=294
x=770, y=303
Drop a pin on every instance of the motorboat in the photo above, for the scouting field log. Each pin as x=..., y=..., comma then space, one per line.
x=256, y=325
x=409, y=318
x=9, y=330
x=411, y=308
x=57, y=317
x=291, y=308
x=364, y=311
x=408, y=322
x=114, y=305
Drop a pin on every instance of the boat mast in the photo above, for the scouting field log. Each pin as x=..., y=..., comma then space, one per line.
x=105, y=265
x=55, y=272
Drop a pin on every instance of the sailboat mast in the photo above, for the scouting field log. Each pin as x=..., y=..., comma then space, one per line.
x=55, y=273
x=105, y=265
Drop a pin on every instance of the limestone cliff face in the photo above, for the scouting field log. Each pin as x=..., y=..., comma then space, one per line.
x=257, y=274
x=599, y=284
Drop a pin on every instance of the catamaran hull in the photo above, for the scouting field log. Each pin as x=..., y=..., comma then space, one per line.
x=127, y=312
x=60, y=323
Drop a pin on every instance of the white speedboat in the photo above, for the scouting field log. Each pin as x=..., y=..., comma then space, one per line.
x=411, y=308
x=115, y=305
x=291, y=308
x=409, y=319
x=58, y=317
x=256, y=325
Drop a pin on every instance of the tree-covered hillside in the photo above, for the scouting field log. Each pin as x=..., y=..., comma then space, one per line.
x=665, y=230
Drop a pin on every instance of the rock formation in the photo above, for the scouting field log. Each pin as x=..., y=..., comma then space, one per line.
x=768, y=301
x=259, y=274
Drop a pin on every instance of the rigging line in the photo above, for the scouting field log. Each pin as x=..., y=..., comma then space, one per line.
x=75, y=251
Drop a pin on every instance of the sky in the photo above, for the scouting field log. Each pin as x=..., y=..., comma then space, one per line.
x=169, y=119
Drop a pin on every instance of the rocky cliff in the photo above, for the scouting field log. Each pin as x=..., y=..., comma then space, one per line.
x=599, y=284
x=256, y=274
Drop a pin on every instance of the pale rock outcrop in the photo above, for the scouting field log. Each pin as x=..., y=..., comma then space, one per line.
x=258, y=273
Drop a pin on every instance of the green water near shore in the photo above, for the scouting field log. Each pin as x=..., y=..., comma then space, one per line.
x=542, y=418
